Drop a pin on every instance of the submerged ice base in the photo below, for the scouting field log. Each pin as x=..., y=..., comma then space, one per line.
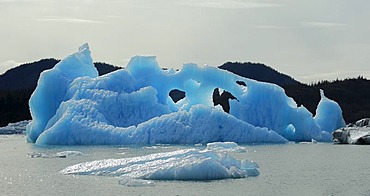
x=72, y=105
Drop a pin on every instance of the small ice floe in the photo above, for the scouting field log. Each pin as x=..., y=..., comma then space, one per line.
x=15, y=128
x=156, y=147
x=186, y=164
x=135, y=182
x=358, y=133
x=311, y=142
x=63, y=154
x=225, y=147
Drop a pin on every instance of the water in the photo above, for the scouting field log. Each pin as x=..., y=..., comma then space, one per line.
x=288, y=169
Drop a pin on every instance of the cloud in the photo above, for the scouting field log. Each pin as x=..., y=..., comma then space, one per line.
x=12, y=1
x=323, y=24
x=336, y=74
x=273, y=27
x=69, y=20
x=6, y=65
x=20, y=1
x=230, y=4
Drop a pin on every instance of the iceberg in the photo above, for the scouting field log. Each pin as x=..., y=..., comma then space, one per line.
x=225, y=147
x=358, y=133
x=72, y=105
x=186, y=164
x=14, y=128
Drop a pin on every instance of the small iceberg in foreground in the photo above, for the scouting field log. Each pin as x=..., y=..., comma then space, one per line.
x=186, y=164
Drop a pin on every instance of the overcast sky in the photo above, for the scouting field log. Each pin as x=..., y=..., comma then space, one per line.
x=308, y=40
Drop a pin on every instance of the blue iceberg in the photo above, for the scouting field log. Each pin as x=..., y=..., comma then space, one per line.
x=72, y=105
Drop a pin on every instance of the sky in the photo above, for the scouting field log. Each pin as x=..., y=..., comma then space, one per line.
x=308, y=40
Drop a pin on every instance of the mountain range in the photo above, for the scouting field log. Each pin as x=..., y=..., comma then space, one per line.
x=17, y=85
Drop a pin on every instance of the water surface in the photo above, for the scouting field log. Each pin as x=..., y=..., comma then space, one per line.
x=287, y=169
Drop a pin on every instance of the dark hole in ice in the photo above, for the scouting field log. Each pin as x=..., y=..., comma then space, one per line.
x=222, y=99
x=241, y=83
x=176, y=95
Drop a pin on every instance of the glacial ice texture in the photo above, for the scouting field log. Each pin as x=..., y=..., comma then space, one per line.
x=187, y=164
x=14, y=128
x=358, y=133
x=72, y=105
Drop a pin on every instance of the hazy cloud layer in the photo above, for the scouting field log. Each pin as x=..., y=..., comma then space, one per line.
x=324, y=24
x=230, y=4
x=68, y=20
x=305, y=39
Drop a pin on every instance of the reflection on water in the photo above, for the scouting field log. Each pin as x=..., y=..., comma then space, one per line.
x=287, y=169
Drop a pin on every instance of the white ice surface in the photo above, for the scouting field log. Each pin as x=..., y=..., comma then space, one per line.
x=188, y=164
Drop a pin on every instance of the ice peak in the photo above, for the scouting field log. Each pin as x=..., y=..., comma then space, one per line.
x=139, y=65
x=83, y=47
x=322, y=94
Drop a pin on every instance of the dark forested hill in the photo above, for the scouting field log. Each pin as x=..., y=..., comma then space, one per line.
x=260, y=72
x=25, y=76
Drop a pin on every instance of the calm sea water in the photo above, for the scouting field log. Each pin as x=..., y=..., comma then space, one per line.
x=288, y=169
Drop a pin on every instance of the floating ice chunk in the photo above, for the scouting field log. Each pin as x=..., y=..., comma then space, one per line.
x=251, y=168
x=63, y=154
x=225, y=147
x=188, y=164
x=365, y=122
x=311, y=142
x=135, y=182
x=15, y=128
x=353, y=134
x=69, y=153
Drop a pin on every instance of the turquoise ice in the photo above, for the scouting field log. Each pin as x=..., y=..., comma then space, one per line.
x=72, y=105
